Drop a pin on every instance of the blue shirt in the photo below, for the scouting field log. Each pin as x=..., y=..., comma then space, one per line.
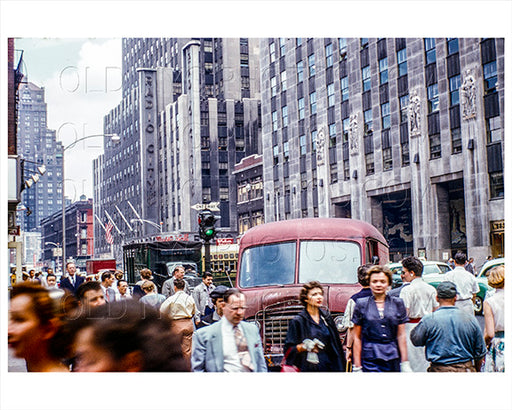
x=450, y=336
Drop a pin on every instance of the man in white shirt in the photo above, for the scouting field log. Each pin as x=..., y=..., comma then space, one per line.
x=123, y=290
x=201, y=294
x=181, y=308
x=465, y=282
x=419, y=300
x=229, y=345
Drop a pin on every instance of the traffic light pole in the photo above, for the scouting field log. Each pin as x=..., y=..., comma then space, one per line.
x=207, y=257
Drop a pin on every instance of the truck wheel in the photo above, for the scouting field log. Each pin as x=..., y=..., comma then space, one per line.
x=478, y=305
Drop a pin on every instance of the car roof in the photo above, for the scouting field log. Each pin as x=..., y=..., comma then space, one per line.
x=395, y=264
x=491, y=263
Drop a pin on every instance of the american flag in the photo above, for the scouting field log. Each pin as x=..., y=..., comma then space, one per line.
x=108, y=233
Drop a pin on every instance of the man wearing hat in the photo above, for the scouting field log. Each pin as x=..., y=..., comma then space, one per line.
x=452, y=338
x=217, y=296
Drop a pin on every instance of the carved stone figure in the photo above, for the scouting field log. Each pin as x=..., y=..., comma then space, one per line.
x=468, y=96
x=320, y=142
x=353, y=135
x=414, y=114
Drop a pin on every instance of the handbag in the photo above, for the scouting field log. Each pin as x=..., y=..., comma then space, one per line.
x=288, y=368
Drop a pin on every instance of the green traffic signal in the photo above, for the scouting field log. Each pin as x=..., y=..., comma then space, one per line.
x=208, y=232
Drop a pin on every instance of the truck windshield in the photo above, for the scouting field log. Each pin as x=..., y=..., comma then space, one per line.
x=268, y=265
x=329, y=261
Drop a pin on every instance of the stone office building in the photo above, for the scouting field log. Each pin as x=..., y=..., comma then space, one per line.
x=190, y=112
x=404, y=133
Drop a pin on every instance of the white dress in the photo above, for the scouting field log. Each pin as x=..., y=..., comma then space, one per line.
x=495, y=359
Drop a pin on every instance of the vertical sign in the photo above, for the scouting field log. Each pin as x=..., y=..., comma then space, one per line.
x=148, y=142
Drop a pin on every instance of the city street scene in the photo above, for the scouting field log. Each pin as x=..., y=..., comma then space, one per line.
x=256, y=204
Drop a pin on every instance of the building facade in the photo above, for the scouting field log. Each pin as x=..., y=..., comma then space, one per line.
x=406, y=134
x=79, y=233
x=190, y=112
x=37, y=146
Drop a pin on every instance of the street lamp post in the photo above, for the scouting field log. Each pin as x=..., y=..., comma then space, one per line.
x=114, y=138
x=159, y=226
x=57, y=246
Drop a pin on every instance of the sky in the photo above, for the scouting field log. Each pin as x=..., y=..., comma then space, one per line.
x=82, y=82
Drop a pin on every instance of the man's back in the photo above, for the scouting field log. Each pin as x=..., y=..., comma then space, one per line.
x=450, y=336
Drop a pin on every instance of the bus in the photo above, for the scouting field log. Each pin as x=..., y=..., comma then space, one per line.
x=161, y=257
x=223, y=263
x=276, y=258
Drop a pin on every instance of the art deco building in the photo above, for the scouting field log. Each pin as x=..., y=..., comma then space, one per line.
x=405, y=133
x=190, y=112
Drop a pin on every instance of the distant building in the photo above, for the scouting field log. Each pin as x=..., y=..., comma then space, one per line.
x=250, y=202
x=79, y=233
x=31, y=248
x=190, y=112
x=37, y=146
x=404, y=133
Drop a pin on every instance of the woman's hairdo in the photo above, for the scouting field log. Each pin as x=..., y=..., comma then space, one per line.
x=496, y=277
x=303, y=296
x=378, y=269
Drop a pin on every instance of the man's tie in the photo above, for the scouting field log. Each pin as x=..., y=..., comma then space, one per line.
x=243, y=351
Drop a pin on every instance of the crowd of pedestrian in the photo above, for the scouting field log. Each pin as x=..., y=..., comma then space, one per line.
x=100, y=325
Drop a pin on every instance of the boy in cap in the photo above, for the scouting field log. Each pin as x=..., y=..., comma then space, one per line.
x=217, y=296
x=452, y=338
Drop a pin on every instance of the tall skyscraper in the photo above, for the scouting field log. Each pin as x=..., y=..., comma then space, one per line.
x=37, y=146
x=406, y=134
x=190, y=112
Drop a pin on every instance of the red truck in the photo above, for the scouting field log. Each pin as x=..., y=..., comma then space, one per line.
x=276, y=258
x=94, y=266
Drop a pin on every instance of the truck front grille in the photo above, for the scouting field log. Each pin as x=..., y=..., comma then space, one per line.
x=274, y=321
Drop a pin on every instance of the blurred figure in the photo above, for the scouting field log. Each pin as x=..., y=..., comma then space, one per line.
x=451, y=263
x=201, y=294
x=152, y=297
x=452, y=338
x=125, y=336
x=217, y=296
x=230, y=345
x=313, y=342
x=379, y=328
x=465, y=282
x=362, y=278
x=181, y=308
x=89, y=295
x=35, y=323
x=470, y=266
x=494, y=312
x=123, y=290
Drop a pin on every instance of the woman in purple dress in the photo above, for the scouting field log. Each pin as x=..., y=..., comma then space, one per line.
x=380, y=343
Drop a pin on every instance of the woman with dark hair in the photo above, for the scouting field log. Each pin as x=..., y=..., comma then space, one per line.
x=379, y=328
x=494, y=313
x=312, y=342
x=126, y=336
x=35, y=326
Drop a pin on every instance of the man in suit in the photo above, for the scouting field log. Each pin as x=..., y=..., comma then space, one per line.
x=107, y=279
x=168, y=285
x=72, y=281
x=229, y=345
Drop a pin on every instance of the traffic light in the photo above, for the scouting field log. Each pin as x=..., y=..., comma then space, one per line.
x=207, y=220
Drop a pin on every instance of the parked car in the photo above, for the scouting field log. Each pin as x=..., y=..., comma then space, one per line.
x=482, y=276
x=429, y=267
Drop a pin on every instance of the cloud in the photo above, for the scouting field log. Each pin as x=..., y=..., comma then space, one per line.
x=78, y=95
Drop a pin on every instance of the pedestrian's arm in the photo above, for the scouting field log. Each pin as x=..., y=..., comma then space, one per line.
x=198, y=358
x=418, y=335
x=489, y=323
x=402, y=342
x=356, y=345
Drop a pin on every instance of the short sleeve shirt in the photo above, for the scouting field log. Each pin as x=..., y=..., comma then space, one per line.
x=419, y=297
